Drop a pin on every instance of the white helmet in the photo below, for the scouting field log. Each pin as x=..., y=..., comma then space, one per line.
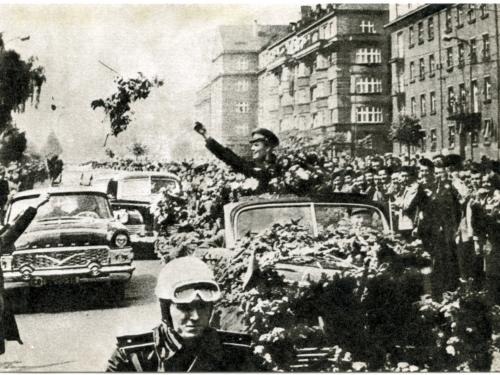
x=185, y=279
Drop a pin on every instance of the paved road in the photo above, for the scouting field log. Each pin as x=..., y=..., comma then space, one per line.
x=73, y=329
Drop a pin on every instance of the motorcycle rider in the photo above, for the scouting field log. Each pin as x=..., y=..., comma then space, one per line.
x=184, y=341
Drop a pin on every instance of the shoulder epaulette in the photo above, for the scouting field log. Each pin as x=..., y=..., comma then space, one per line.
x=132, y=343
x=235, y=339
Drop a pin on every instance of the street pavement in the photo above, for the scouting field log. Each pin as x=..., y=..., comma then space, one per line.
x=74, y=328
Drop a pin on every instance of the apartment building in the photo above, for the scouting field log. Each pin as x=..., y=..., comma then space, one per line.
x=329, y=75
x=444, y=68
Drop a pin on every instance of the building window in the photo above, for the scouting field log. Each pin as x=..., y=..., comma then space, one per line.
x=451, y=100
x=471, y=13
x=412, y=71
x=413, y=106
x=475, y=97
x=433, y=102
x=411, y=37
x=462, y=97
x=473, y=51
x=400, y=45
x=430, y=28
x=242, y=85
x=487, y=90
x=420, y=30
x=423, y=144
x=367, y=27
x=486, y=47
x=368, y=85
x=423, y=105
x=475, y=137
x=449, y=58
x=432, y=65
x=460, y=15
x=448, y=21
x=487, y=130
x=241, y=129
x=242, y=63
x=433, y=140
x=451, y=135
x=421, y=68
x=242, y=107
x=368, y=56
x=368, y=114
x=461, y=55
x=483, y=10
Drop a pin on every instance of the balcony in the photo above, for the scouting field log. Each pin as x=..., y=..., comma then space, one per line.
x=308, y=49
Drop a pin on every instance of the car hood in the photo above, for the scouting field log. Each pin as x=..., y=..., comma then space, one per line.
x=67, y=232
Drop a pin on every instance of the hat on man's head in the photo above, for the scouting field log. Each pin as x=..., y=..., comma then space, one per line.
x=453, y=160
x=262, y=134
x=426, y=163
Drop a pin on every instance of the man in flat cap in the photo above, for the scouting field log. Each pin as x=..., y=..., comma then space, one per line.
x=263, y=163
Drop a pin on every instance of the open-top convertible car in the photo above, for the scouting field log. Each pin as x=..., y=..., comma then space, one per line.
x=73, y=238
x=131, y=195
x=317, y=214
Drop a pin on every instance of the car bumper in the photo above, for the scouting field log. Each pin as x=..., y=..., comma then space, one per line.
x=71, y=275
x=134, y=238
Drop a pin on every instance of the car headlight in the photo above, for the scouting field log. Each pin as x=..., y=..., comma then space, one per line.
x=121, y=240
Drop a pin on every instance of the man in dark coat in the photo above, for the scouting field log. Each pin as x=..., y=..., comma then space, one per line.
x=184, y=342
x=263, y=164
x=8, y=235
x=4, y=192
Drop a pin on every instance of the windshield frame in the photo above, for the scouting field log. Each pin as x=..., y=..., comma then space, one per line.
x=36, y=196
x=149, y=180
x=232, y=234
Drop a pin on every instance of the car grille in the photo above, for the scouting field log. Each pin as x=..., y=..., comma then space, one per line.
x=136, y=229
x=61, y=258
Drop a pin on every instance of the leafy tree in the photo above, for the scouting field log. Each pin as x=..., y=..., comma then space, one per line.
x=20, y=81
x=52, y=146
x=117, y=106
x=407, y=131
x=138, y=149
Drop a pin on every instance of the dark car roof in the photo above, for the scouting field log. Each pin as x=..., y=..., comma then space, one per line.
x=58, y=190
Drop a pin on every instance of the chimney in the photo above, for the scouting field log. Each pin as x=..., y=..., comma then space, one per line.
x=305, y=12
x=255, y=29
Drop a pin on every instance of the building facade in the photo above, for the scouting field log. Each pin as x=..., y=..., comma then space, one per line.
x=444, y=68
x=329, y=76
x=227, y=105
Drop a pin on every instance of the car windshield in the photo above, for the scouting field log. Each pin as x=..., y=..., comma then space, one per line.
x=256, y=220
x=331, y=217
x=328, y=217
x=67, y=205
x=144, y=186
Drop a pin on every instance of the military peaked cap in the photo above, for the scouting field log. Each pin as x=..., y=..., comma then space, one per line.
x=265, y=134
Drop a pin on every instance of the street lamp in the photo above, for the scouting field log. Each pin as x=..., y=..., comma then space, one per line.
x=468, y=121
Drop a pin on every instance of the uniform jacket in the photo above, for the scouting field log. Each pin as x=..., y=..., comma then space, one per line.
x=263, y=172
x=8, y=235
x=217, y=351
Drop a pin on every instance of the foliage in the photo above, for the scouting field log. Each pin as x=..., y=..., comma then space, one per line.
x=368, y=312
x=21, y=80
x=52, y=146
x=407, y=131
x=138, y=149
x=110, y=153
x=117, y=106
x=12, y=145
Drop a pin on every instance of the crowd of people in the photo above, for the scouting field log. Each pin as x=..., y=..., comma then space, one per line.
x=451, y=206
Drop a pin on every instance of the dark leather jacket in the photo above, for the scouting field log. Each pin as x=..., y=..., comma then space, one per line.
x=217, y=351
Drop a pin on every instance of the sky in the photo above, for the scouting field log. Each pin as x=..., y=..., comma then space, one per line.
x=171, y=41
